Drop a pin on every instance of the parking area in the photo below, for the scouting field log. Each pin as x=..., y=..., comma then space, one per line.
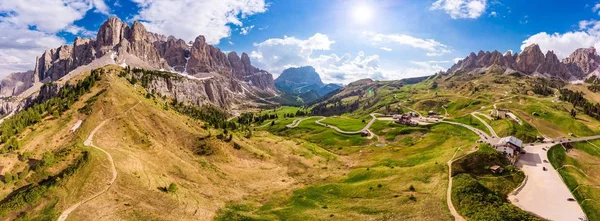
x=544, y=193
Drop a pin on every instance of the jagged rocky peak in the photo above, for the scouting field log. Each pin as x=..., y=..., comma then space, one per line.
x=175, y=52
x=529, y=60
x=15, y=83
x=532, y=61
x=583, y=60
x=206, y=58
x=114, y=36
x=220, y=77
x=110, y=34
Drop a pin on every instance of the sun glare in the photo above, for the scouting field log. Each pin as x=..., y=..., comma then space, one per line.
x=362, y=14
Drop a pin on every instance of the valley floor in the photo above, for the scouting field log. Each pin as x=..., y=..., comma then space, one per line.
x=157, y=163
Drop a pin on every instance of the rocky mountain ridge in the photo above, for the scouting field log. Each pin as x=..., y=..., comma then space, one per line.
x=15, y=83
x=205, y=66
x=581, y=64
x=300, y=80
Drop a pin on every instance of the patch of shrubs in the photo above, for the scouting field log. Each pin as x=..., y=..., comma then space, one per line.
x=236, y=146
x=31, y=194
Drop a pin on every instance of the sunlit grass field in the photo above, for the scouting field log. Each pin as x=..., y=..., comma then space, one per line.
x=377, y=186
x=580, y=169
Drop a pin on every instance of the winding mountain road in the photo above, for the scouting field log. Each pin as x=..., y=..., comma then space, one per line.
x=89, y=143
x=535, y=190
x=490, y=128
x=297, y=122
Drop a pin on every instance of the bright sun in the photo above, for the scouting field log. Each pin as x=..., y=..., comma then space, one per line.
x=362, y=14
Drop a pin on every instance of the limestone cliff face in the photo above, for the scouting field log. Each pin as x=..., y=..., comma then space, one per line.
x=583, y=61
x=114, y=36
x=123, y=42
x=532, y=61
x=216, y=77
x=205, y=58
x=218, y=90
x=15, y=83
x=174, y=51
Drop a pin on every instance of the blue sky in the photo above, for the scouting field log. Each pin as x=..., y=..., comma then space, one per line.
x=400, y=38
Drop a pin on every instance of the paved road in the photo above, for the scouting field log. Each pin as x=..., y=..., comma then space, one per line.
x=490, y=128
x=297, y=122
x=89, y=142
x=544, y=193
x=365, y=129
x=483, y=135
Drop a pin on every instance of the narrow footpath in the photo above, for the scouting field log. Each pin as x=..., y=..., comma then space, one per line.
x=89, y=143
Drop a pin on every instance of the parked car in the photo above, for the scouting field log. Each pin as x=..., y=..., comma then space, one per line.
x=571, y=199
x=544, y=149
x=545, y=161
x=545, y=169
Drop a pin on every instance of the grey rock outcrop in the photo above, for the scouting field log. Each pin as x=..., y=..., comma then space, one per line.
x=205, y=58
x=15, y=83
x=217, y=78
x=155, y=51
x=303, y=79
x=532, y=61
x=583, y=62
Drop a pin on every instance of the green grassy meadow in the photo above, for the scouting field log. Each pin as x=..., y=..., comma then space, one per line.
x=579, y=168
x=379, y=186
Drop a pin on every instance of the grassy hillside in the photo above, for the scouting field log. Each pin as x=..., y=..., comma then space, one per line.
x=579, y=169
x=479, y=194
x=397, y=182
x=153, y=147
x=178, y=162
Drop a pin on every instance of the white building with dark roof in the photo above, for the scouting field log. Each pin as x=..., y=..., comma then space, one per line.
x=511, y=146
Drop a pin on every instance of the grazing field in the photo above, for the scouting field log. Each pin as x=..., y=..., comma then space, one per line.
x=395, y=182
x=552, y=119
x=580, y=169
x=323, y=136
x=348, y=123
x=281, y=111
x=471, y=121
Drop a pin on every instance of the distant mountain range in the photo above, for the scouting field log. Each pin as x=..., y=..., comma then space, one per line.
x=305, y=82
x=231, y=81
x=581, y=64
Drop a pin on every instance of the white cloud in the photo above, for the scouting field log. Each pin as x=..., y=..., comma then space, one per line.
x=76, y=30
x=29, y=27
x=246, y=30
x=565, y=43
x=493, y=14
x=596, y=8
x=385, y=49
x=433, y=47
x=456, y=60
x=189, y=18
x=20, y=46
x=49, y=16
x=275, y=55
x=461, y=8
